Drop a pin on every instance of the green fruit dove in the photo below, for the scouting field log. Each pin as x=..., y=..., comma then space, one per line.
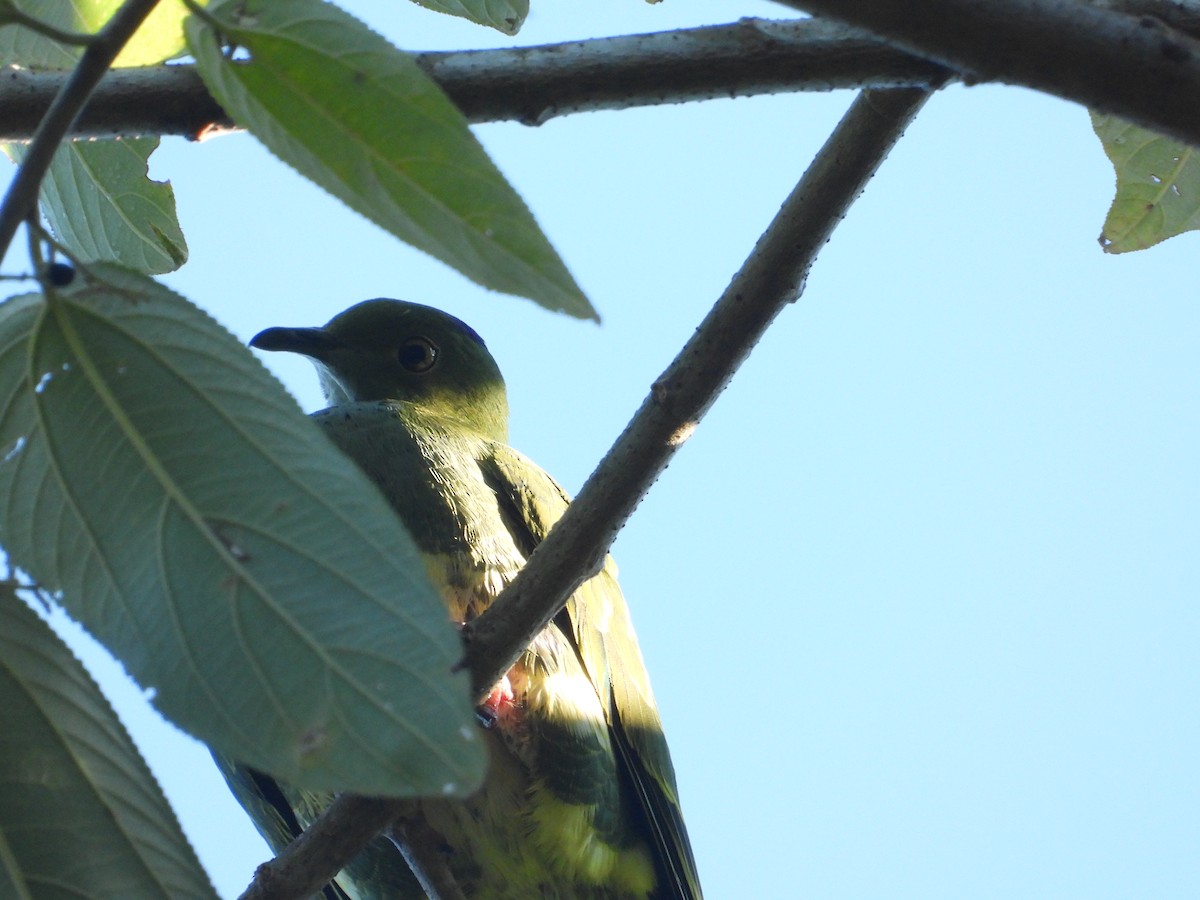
x=580, y=798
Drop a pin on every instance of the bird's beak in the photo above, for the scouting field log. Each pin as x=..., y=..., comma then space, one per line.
x=312, y=342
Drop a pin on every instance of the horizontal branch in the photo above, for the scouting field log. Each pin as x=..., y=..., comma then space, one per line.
x=1130, y=64
x=526, y=84
x=1181, y=14
x=154, y=100
x=1113, y=55
x=752, y=56
x=1130, y=57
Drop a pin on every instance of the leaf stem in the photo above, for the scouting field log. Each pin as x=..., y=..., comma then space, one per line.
x=10, y=14
x=21, y=199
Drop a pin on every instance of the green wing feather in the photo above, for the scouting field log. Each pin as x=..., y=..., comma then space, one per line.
x=604, y=638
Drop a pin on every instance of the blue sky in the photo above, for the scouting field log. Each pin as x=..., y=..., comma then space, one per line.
x=919, y=598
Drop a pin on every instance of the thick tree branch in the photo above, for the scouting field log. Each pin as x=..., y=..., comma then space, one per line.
x=154, y=100
x=527, y=84
x=772, y=277
x=11, y=15
x=1133, y=66
x=1181, y=14
x=753, y=56
x=23, y=190
x=533, y=84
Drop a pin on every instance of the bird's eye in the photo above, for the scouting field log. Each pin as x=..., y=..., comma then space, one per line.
x=418, y=354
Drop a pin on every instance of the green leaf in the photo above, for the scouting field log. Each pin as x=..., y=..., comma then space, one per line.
x=361, y=119
x=160, y=37
x=103, y=207
x=211, y=537
x=25, y=47
x=504, y=15
x=1158, y=186
x=97, y=195
x=80, y=814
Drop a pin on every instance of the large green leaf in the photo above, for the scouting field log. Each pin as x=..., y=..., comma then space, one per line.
x=361, y=119
x=504, y=15
x=1158, y=186
x=80, y=814
x=210, y=536
x=97, y=195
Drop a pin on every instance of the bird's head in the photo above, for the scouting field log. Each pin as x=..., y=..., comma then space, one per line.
x=392, y=350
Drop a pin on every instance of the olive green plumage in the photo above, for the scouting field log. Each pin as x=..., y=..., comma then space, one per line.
x=580, y=798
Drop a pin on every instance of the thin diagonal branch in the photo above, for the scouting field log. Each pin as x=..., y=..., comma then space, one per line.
x=22, y=193
x=325, y=847
x=421, y=847
x=338, y=835
x=772, y=277
x=1133, y=66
